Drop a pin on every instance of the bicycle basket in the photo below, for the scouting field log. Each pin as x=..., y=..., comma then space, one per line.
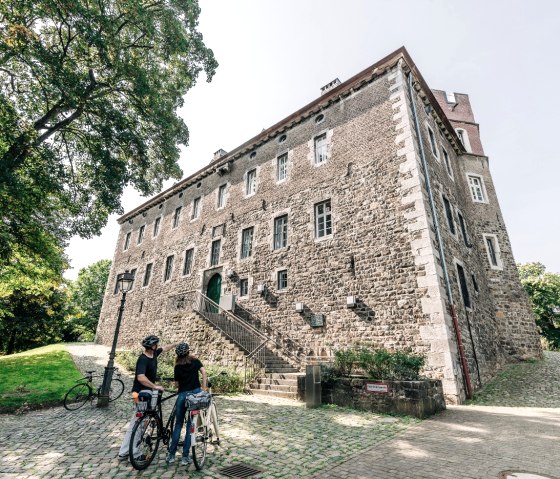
x=200, y=400
x=144, y=401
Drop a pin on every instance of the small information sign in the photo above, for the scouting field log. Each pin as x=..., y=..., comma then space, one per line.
x=377, y=388
x=317, y=320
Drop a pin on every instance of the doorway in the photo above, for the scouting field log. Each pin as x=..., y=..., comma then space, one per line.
x=214, y=289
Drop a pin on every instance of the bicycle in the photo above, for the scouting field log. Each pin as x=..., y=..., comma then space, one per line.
x=79, y=394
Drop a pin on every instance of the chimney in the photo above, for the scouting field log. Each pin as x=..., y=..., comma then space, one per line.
x=219, y=154
x=329, y=86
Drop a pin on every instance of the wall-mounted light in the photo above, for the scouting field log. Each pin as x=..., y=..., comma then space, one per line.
x=300, y=307
x=261, y=288
x=230, y=273
x=351, y=302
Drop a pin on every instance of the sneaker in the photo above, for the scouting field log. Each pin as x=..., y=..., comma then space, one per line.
x=123, y=457
x=186, y=461
x=170, y=458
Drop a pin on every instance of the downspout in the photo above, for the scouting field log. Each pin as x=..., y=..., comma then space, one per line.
x=452, y=310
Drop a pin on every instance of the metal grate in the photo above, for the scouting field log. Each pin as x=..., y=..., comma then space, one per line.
x=239, y=470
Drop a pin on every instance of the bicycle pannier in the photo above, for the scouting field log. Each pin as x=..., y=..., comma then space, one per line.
x=200, y=400
x=144, y=401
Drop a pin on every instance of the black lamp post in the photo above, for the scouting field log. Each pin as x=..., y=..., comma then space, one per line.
x=124, y=282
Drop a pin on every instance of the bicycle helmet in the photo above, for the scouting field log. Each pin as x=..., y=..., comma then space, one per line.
x=149, y=341
x=182, y=349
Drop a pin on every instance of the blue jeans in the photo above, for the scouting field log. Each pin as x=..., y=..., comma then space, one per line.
x=180, y=411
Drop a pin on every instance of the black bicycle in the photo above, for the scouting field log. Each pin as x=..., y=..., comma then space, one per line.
x=79, y=394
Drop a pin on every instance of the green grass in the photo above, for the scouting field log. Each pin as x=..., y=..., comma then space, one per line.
x=36, y=378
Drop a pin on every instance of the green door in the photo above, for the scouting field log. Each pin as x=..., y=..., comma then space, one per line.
x=214, y=288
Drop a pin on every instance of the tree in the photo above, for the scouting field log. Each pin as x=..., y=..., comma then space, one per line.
x=85, y=297
x=544, y=291
x=89, y=92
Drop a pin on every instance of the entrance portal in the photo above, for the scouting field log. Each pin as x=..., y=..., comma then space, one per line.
x=214, y=288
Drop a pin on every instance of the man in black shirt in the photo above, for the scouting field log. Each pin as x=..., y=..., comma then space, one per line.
x=144, y=378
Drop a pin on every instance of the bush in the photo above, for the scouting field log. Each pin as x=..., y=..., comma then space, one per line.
x=344, y=361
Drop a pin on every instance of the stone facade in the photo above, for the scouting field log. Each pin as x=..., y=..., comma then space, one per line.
x=361, y=212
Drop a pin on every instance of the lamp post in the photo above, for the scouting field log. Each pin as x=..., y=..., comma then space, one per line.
x=124, y=282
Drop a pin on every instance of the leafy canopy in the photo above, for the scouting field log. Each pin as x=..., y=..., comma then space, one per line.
x=89, y=92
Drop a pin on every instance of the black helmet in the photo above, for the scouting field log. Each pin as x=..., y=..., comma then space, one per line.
x=149, y=341
x=182, y=349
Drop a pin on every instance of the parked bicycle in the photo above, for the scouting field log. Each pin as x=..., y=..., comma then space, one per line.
x=149, y=431
x=85, y=391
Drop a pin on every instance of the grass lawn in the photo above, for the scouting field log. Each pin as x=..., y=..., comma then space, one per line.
x=36, y=378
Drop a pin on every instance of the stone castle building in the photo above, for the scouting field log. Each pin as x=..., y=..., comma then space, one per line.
x=368, y=217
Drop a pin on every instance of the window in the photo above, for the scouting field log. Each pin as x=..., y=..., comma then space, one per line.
x=478, y=191
x=464, y=139
x=474, y=283
x=215, y=253
x=251, y=185
x=282, y=167
x=147, y=274
x=449, y=214
x=282, y=279
x=177, y=217
x=464, y=230
x=168, y=268
x=246, y=242
x=461, y=136
x=195, y=208
x=493, y=251
x=222, y=196
x=244, y=287
x=281, y=232
x=463, y=285
x=447, y=163
x=141, y=234
x=133, y=273
x=187, y=265
x=323, y=219
x=321, y=149
x=433, y=145
x=127, y=241
x=219, y=230
x=156, y=226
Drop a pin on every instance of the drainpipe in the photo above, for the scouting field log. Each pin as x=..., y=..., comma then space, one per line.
x=452, y=310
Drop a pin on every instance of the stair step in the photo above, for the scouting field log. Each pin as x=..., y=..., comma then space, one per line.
x=281, y=394
x=279, y=382
x=274, y=387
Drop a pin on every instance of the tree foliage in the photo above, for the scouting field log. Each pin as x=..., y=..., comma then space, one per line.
x=89, y=92
x=544, y=291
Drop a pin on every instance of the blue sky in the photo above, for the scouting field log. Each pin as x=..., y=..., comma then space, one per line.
x=275, y=56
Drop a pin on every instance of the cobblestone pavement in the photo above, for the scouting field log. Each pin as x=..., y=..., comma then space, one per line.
x=285, y=440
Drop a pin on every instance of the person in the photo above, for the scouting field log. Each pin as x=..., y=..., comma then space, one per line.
x=144, y=378
x=186, y=374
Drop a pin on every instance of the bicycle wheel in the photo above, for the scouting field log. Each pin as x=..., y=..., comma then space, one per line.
x=213, y=428
x=199, y=448
x=144, y=441
x=77, y=396
x=116, y=390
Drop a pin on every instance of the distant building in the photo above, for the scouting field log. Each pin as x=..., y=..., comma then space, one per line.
x=369, y=216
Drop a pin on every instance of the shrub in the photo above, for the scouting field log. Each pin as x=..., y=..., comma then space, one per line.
x=344, y=361
x=397, y=366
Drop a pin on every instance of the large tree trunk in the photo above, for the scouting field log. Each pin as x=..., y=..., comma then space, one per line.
x=11, y=342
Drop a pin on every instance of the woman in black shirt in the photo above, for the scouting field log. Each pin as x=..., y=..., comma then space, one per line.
x=187, y=368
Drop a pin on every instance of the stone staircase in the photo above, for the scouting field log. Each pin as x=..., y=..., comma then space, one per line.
x=284, y=385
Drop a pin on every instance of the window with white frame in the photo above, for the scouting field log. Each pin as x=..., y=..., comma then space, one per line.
x=463, y=286
x=188, y=263
x=156, y=226
x=222, y=196
x=243, y=287
x=449, y=215
x=323, y=219
x=447, y=163
x=493, y=251
x=251, y=182
x=215, y=253
x=464, y=139
x=147, y=274
x=247, y=242
x=281, y=232
x=195, y=209
x=127, y=241
x=141, y=234
x=321, y=150
x=177, y=216
x=478, y=191
x=433, y=144
x=282, y=279
x=168, y=268
x=282, y=167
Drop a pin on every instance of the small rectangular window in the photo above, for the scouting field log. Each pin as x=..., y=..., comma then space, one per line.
x=215, y=253
x=323, y=219
x=156, y=226
x=147, y=274
x=493, y=251
x=244, y=287
x=246, y=242
x=447, y=163
x=449, y=214
x=222, y=196
x=141, y=234
x=282, y=279
x=475, y=284
x=464, y=230
x=433, y=144
x=463, y=285
x=281, y=232
x=127, y=241
x=251, y=185
x=187, y=265
x=477, y=188
x=282, y=167
x=168, y=268
x=177, y=217
x=195, y=208
x=321, y=152
x=133, y=273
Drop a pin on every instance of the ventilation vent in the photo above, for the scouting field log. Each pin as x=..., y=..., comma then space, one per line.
x=239, y=470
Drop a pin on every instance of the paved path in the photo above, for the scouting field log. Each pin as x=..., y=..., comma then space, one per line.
x=286, y=440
